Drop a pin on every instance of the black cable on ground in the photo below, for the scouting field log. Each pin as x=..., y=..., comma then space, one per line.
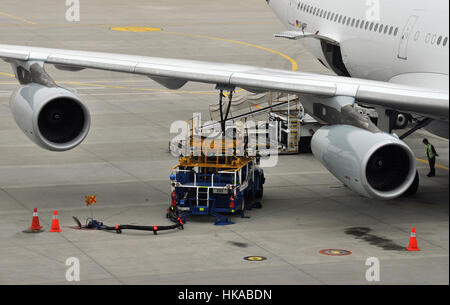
x=179, y=225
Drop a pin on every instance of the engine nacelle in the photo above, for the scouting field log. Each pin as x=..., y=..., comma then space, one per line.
x=52, y=117
x=375, y=165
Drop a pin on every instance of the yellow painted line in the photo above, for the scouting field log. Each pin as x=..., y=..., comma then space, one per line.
x=135, y=29
x=291, y=60
x=17, y=18
x=437, y=165
x=7, y=74
x=294, y=65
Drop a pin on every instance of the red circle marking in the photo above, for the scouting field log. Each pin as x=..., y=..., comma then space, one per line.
x=335, y=252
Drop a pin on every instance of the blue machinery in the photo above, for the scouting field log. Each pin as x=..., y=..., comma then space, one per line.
x=218, y=186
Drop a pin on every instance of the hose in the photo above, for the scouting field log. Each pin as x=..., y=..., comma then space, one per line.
x=118, y=228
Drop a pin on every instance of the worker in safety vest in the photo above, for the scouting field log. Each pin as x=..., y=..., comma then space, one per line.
x=431, y=154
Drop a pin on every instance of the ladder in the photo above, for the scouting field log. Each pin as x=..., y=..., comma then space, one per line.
x=294, y=134
x=202, y=196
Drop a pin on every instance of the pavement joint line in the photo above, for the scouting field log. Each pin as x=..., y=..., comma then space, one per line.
x=296, y=207
x=125, y=171
x=277, y=256
x=139, y=115
x=91, y=258
x=20, y=203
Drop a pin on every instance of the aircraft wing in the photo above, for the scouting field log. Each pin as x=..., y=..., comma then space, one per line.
x=174, y=73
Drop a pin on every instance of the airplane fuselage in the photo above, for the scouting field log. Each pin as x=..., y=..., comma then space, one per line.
x=402, y=41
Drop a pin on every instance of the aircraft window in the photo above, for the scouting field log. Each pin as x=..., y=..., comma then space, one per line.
x=371, y=26
x=314, y=12
x=367, y=25
x=357, y=23
x=343, y=20
x=428, y=38
x=396, y=32
x=353, y=22
x=328, y=16
x=376, y=27
x=333, y=17
x=439, y=40
x=348, y=21
x=433, y=40
x=417, y=36
x=362, y=24
x=340, y=18
x=381, y=28
x=321, y=13
x=391, y=30
x=386, y=28
x=298, y=6
x=445, y=41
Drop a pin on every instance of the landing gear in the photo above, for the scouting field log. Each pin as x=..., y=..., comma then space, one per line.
x=413, y=188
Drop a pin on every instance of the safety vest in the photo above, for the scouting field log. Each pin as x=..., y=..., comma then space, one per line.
x=430, y=153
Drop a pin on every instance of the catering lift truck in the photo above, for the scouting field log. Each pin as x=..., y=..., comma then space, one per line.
x=216, y=177
x=217, y=185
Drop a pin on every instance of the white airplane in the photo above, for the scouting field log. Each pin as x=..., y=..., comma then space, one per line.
x=397, y=63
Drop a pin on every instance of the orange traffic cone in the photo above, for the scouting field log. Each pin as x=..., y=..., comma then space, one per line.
x=35, y=225
x=55, y=223
x=413, y=241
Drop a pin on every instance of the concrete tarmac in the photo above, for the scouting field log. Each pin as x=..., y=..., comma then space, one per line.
x=125, y=162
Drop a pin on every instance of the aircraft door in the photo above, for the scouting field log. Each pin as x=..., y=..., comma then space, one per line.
x=291, y=9
x=407, y=32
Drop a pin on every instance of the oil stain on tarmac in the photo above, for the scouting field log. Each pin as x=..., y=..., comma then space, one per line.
x=364, y=234
x=238, y=244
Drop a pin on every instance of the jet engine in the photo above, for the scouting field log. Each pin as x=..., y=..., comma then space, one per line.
x=52, y=117
x=375, y=165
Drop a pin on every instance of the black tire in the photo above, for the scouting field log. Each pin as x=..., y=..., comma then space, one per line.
x=305, y=145
x=260, y=193
x=414, y=187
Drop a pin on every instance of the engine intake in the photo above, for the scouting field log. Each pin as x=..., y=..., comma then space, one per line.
x=376, y=165
x=53, y=118
x=387, y=168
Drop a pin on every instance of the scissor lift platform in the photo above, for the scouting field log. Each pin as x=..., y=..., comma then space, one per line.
x=219, y=185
